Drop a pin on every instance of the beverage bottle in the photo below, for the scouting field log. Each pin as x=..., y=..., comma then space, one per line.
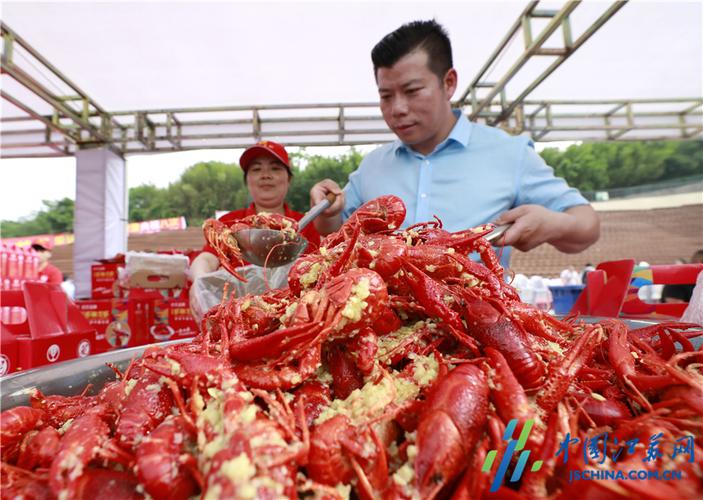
x=34, y=265
x=542, y=296
x=20, y=263
x=3, y=260
x=12, y=262
x=5, y=315
x=18, y=315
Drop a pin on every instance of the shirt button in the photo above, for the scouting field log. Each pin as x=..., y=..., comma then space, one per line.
x=423, y=195
x=426, y=162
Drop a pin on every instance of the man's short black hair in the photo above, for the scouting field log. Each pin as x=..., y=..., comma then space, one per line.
x=429, y=36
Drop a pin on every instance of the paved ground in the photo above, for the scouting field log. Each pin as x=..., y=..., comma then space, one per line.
x=647, y=203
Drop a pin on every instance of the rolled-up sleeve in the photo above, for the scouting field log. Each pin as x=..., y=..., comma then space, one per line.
x=352, y=196
x=538, y=185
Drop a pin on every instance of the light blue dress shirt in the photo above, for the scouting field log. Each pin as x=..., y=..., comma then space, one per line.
x=469, y=179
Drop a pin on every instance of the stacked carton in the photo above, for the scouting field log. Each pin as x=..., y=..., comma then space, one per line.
x=139, y=299
x=51, y=328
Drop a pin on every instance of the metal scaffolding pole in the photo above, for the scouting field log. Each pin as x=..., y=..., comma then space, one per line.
x=69, y=128
x=534, y=47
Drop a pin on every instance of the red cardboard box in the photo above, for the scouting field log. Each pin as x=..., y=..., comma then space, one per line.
x=144, y=318
x=101, y=314
x=155, y=293
x=118, y=322
x=38, y=352
x=104, y=282
x=172, y=320
x=9, y=357
x=54, y=329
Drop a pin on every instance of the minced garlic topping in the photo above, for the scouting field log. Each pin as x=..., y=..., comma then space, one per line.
x=404, y=475
x=238, y=469
x=310, y=278
x=129, y=385
x=355, y=304
x=66, y=425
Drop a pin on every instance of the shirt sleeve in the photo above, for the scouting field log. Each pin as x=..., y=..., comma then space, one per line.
x=352, y=194
x=538, y=185
x=53, y=275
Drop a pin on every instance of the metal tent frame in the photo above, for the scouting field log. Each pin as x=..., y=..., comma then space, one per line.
x=77, y=121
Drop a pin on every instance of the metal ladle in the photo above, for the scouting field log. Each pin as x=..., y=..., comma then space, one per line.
x=497, y=232
x=270, y=247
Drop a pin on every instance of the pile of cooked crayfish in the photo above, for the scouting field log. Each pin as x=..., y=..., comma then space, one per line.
x=393, y=366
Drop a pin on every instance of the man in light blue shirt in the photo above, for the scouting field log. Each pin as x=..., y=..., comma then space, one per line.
x=442, y=164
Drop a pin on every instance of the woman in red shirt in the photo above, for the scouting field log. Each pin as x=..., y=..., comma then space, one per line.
x=48, y=273
x=267, y=174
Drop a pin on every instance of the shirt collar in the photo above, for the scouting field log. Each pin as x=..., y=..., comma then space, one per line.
x=460, y=134
x=251, y=210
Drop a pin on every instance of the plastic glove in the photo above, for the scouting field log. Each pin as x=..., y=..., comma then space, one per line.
x=207, y=291
x=694, y=311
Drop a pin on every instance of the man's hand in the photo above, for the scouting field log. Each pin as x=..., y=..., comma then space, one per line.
x=331, y=219
x=571, y=231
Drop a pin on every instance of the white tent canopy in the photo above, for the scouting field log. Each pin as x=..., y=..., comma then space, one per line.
x=146, y=55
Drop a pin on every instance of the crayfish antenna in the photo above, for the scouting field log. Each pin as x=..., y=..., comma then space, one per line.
x=364, y=486
x=115, y=369
x=178, y=398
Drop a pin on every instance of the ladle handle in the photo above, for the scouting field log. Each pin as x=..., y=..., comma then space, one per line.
x=316, y=210
x=498, y=232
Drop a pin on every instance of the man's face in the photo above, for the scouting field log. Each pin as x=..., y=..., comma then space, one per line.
x=415, y=103
x=267, y=180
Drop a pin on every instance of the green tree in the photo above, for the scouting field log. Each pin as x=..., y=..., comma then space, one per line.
x=686, y=160
x=56, y=217
x=147, y=202
x=583, y=167
x=206, y=187
x=316, y=168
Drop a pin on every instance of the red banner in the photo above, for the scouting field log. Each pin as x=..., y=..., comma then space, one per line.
x=156, y=226
x=25, y=241
x=146, y=227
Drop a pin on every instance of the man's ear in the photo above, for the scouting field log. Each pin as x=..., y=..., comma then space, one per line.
x=451, y=80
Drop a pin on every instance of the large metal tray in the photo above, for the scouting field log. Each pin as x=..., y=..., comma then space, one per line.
x=71, y=377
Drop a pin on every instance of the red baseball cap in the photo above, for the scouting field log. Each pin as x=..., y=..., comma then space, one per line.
x=266, y=148
x=44, y=243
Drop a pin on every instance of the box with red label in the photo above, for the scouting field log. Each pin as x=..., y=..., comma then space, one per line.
x=55, y=348
x=104, y=283
x=172, y=320
x=9, y=356
x=119, y=322
x=52, y=330
x=104, y=314
x=154, y=293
